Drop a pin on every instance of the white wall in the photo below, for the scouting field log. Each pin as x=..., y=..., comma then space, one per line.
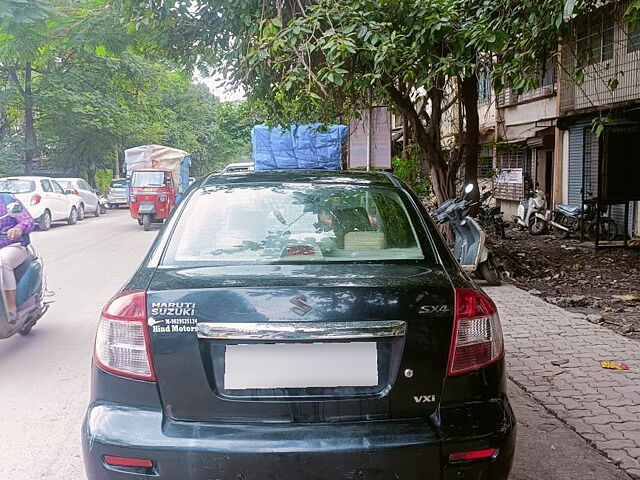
x=523, y=120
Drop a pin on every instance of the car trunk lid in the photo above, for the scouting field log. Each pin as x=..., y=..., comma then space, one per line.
x=300, y=343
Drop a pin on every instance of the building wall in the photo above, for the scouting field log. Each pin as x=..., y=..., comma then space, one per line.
x=524, y=120
x=618, y=53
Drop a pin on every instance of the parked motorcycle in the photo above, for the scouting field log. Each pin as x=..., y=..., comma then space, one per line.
x=531, y=214
x=470, y=247
x=571, y=219
x=30, y=290
x=490, y=216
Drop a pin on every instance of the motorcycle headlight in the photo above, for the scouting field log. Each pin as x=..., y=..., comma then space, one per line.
x=162, y=198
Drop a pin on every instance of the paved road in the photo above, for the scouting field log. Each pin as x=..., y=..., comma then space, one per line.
x=44, y=378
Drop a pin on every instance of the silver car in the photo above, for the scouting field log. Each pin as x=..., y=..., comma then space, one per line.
x=116, y=195
x=80, y=187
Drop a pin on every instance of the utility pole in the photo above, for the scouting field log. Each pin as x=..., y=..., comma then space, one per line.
x=116, y=163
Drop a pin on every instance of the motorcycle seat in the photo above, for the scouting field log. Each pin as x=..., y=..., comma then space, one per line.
x=569, y=209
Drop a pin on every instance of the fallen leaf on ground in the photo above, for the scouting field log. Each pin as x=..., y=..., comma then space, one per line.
x=613, y=365
x=626, y=298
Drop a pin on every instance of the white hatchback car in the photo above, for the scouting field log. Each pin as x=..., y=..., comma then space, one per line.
x=78, y=186
x=44, y=198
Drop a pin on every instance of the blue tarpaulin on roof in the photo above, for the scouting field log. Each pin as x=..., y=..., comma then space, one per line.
x=302, y=147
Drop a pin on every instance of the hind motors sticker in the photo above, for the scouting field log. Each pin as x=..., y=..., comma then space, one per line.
x=180, y=323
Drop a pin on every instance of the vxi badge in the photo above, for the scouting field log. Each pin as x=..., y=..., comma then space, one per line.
x=424, y=398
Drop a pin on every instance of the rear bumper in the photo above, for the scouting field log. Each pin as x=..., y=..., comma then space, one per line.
x=117, y=199
x=374, y=450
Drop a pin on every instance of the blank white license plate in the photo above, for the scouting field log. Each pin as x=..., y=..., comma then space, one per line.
x=288, y=365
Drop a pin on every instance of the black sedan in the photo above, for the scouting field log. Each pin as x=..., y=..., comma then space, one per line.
x=299, y=325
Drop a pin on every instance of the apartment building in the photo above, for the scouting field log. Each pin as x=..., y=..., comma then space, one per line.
x=599, y=113
x=574, y=137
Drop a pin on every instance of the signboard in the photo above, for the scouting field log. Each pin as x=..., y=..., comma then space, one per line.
x=509, y=184
x=377, y=138
x=510, y=175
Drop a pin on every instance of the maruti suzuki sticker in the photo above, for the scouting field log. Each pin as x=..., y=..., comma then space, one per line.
x=173, y=308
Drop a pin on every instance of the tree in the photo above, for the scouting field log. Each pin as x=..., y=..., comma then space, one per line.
x=90, y=87
x=25, y=29
x=324, y=59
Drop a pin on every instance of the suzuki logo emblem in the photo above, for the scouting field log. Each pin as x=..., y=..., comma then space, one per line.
x=301, y=307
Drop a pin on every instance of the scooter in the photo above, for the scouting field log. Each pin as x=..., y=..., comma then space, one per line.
x=30, y=290
x=470, y=249
x=103, y=204
x=531, y=214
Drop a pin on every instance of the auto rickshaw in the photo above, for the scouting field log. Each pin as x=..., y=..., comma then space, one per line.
x=152, y=196
x=157, y=176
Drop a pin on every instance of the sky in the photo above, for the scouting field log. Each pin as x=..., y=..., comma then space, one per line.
x=214, y=84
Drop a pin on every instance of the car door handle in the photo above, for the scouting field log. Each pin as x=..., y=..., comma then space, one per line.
x=302, y=331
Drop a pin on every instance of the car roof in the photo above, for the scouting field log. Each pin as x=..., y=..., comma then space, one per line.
x=303, y=176
x=70, y=179
x=22, y=177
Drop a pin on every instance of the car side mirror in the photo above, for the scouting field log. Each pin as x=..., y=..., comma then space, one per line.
x=14, y=209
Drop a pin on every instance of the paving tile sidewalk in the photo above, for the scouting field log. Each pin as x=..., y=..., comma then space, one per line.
x=603, y=406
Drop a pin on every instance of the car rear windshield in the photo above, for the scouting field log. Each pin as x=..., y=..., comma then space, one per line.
x=17, y=186
x=147, y=179
x=118, y=183
x=292, y=223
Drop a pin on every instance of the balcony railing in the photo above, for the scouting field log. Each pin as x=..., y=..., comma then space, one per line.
x=600, y=68
x=507, y=97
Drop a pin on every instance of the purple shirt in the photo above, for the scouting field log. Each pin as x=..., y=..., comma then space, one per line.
x=24, y=220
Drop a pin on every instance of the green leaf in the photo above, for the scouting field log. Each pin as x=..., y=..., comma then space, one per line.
x=569, y=6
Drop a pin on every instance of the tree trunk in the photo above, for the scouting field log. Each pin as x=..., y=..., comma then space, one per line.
x=472, y=133
x=428, y=139
x=91, y=174
x=29, y=128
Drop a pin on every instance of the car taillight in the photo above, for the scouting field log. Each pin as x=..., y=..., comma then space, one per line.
x=473, y=455
x=110, y=191
x=477, y=336
x=35, y=199
x=122, y=341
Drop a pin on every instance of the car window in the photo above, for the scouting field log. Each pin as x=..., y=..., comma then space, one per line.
x=46, y=185
x=148, y=179
x=57, y=188
x=65, y=184
x=84, y=185
x=117, y=183
x=17, y=186
x=293, y=223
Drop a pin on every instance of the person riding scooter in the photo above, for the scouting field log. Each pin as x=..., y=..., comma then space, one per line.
x=13, y=251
